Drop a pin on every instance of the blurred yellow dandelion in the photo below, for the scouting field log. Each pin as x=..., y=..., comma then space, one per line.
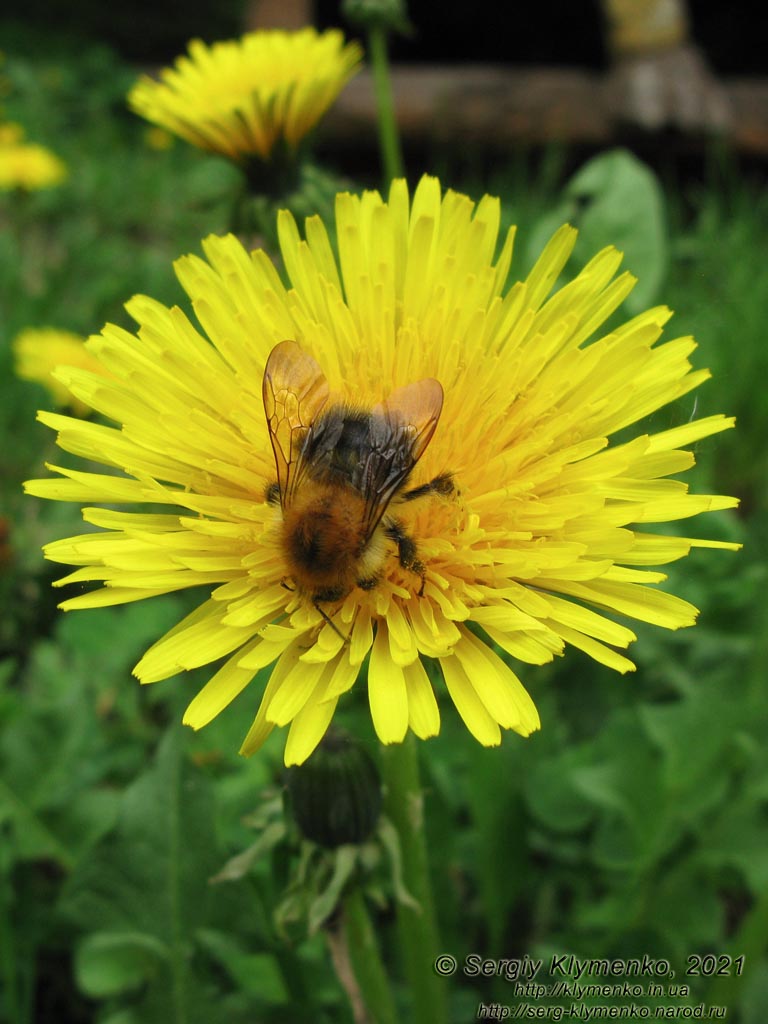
x=40, y=351
x=540, y=543
x=241, y=97
x=26, y=165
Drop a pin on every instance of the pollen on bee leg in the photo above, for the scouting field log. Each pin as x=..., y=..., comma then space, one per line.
x=443, y=485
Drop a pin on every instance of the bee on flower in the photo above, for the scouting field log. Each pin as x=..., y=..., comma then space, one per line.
x=402, y=459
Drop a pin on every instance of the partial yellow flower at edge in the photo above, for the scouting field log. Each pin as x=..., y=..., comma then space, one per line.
x=543, y=543
x=29, y=166
x=40, y=351
x=241, y=97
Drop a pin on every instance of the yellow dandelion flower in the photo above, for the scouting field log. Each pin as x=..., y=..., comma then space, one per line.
x=241, y=97
x=535, y=539
x=40, y=351
x=28, y=166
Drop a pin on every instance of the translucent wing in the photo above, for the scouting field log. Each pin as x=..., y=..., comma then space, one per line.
x=401, y=428
x=294, y=391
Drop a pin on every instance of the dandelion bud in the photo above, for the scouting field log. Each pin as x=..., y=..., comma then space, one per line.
x=335, y=795
x=386, y=14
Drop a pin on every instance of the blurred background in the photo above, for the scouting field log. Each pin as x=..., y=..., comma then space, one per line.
x=637, y=820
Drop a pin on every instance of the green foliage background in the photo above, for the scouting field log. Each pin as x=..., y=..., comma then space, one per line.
x=635, y=822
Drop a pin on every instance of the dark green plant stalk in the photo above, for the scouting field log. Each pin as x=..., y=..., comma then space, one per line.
x=389, y=138
x=419, y=940
x=366, y=960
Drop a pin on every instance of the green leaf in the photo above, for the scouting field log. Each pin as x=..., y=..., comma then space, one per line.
x=110, y=963
x=149, y=879
x=123, y=1017
x=257, y=974
x=551, y=795
x=621, y=204
x=637, y=825
x=614, y=200
x=52, y=755
x=697, y=740
x=739, y=839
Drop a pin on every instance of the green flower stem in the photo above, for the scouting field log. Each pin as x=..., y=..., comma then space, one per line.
x=366, y=962
x=389, y=139
x=419, y=942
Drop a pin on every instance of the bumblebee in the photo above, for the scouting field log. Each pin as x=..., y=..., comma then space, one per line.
x=338, y=470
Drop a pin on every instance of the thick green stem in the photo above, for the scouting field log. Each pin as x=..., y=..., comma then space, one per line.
x=419, y=942
x=366, y=962
x=389, y=139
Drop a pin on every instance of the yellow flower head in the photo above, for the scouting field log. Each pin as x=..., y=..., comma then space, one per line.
x=533, y=539
x=240, y=98
x=26, y=165
x=39, y=351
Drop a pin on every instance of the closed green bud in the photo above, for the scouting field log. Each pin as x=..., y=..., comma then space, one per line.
x=335, y=796
x=391, y=15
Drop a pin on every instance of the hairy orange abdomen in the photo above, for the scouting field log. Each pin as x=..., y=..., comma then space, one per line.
x=323, y=538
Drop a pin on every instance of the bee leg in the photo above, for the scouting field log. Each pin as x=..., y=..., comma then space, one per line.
x=272, y=494
x=442, y=484
x=406, y=551
x=330, y=622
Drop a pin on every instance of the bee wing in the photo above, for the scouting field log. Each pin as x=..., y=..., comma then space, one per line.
x=401, y=428
x=294, y=392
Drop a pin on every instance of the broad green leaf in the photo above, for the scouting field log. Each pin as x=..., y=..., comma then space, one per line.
x=111, y=963
x=620, y=203
x=150, y=877
x=697, y=740
x=551, y=795
x=614, y=200
x=257, y=974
